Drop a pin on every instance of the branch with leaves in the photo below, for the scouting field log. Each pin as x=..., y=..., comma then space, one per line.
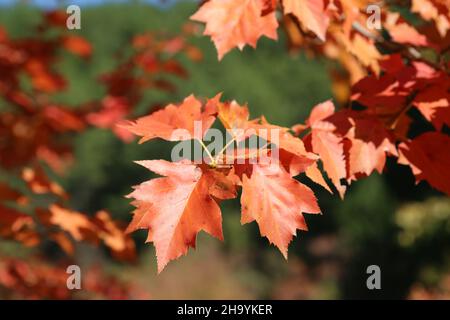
x=387, y=77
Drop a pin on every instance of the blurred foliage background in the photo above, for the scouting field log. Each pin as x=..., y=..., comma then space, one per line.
x=384, y=220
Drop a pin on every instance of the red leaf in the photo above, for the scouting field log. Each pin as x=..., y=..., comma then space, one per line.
x=370, y=142
x=428, y=156
x=434, y=103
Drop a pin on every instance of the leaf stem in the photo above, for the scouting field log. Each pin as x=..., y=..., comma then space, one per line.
x=213, y=161
x=410, y=53
x=225, y=148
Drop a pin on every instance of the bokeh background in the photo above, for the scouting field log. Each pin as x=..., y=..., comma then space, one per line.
x=384, y=220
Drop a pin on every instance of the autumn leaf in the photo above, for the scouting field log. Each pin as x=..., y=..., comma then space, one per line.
x=362, y=48
x=385, y=95
x=349, y=143
x=241, y=161
x=370, y=142
x=276, y=201
x=327, y=144
x=42, y=78
x=113, y=112
x=236, y=23
x=310, y=13
x=114, y=237
x=164, y=123
x=235, y=118
x=313, y=173
x=290, y=149
x=74, y=223
x=61, y=119
x=176, y=207
x=37, y=278
x=437, y=11
x=434, y=103
x=80, y=227
x=63, y=241
x=18, y=226
x=428, y=156
x=389, y=96
x=39, y=183
x=401, y=32
x=77, y=45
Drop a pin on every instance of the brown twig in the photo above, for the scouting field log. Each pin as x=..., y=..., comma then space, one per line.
x=407, y=52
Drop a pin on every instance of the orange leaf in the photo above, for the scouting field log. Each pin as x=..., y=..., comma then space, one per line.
x=437, y=11
x=276, y=201
x=75, y=223
x=315, y=175
x=310, y=13
x=401, y=32
x=175, y=208
x=233, y=116
x=236, y=23
x=39, y=183
x=114, y=237
x=327, y=144
x=77, y=45
x=164, y=123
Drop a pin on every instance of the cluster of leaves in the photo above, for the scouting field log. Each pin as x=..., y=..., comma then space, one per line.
x=153, y=58
x=31, y=122
x=35, y=280
x=36, y=135
x=177, y=207
x=391, y=86
x=56, y=222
